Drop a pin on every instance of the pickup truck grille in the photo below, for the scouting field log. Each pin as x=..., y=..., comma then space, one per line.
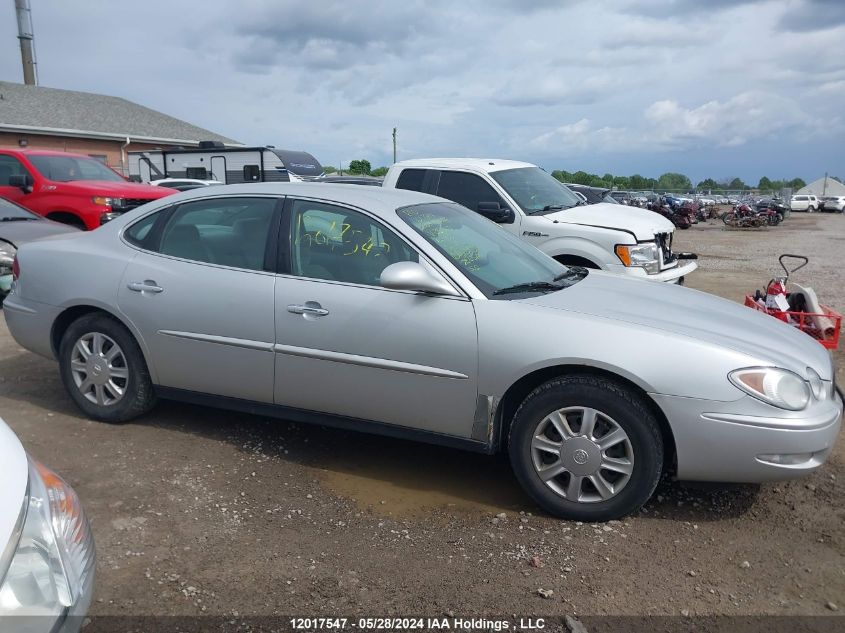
x=664, y=243
x=131, y=203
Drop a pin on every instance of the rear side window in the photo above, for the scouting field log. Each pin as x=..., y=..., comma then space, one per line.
x=227, y=231
x=466, y=189
x=197, y=173
x=138, y=233
x=411, y=179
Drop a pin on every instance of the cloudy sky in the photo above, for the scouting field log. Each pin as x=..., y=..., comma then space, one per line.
x=717, y=89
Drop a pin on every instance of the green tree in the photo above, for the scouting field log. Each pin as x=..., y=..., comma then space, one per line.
x=708, y=184
x=765, y=184
x=562, y=175
x=638, y=183
x=329, y=169
x=361, y=166
x=797, y=183
x=623, y=182
x=737, y=184
x=674, y=181
x=581, y=178
x=379, y=172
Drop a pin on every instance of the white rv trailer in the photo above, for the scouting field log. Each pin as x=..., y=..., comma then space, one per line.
x=230, y=165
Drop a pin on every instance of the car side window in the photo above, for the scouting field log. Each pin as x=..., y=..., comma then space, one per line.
x=338, y=244
x=9, y=166
x=138, y=233
x=411, y=179
x=226, y=231
x=466, y=189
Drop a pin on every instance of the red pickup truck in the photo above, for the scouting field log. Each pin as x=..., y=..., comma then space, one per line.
x=70, y=188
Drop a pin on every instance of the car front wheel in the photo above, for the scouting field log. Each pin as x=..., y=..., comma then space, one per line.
x=586, y=448
x=104, y=371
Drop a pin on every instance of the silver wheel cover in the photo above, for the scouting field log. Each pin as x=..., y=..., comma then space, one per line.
x=582, y=454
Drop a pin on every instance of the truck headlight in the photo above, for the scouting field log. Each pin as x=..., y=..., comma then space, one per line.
x=643, y=255
x=52, y=569
x=778, y=387
x=116, y=203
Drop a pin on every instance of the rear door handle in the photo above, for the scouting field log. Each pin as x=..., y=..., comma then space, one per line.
x=310, y=308
x=145, y=286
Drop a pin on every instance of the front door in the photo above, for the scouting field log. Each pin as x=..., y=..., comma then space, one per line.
x=218, y=168
x=346, y=346
x=201, y=293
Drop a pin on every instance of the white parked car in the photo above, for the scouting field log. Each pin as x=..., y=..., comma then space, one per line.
x=806, y=202
x=833, y=203
x=184, y=184
x=46, y=546
x=529, y=203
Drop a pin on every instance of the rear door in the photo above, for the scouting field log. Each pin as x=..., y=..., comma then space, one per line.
x=201, y=292
x=347, y=346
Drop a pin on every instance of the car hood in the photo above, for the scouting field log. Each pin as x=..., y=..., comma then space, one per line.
x=22, y=232
x=115, y=189
x=12, y=489
x=644, y=224
x=686, y=312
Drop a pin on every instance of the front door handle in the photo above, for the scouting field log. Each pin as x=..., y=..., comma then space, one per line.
x=145, y=286
x=311, y=308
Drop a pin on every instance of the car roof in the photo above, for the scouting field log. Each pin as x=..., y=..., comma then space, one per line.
x=488, y=165
x=376, y=199
x=43, y=152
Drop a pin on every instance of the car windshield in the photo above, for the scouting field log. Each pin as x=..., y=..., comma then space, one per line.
x=69, y=168
x=499, y=264
x=535, y=191
x=10, y=212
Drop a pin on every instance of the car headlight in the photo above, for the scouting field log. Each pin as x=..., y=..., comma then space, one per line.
x=7, y=257
x=108, y=202
x=778, y=387
x=53, y=566
x=643, y=255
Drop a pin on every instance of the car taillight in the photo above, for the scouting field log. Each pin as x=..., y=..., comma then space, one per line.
x=16, y=268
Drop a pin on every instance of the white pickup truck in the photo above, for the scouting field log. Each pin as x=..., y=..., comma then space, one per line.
x=530, y=203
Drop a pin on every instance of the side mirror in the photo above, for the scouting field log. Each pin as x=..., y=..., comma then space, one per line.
x=496, y=212
x=23, y=182
x=414, y=276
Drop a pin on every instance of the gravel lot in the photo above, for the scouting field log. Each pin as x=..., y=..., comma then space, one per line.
x=199, y=511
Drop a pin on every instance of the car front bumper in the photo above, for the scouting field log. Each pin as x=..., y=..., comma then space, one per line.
x=742, y=441
x=673, y=275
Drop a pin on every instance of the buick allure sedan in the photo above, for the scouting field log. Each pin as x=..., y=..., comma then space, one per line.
x=400, y=313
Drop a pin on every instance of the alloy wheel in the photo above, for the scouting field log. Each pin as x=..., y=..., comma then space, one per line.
x=582, y=454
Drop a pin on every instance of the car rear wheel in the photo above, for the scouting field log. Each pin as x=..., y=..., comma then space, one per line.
x=586, y=448
x=104, y=371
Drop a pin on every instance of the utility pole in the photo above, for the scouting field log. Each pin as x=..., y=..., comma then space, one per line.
x=394, y=145
x=26, y=36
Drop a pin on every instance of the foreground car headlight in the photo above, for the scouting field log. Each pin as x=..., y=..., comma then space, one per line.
x=7, y=257
x=108, y=202
x=778, y=387
x=52, y=569
x=643, y=255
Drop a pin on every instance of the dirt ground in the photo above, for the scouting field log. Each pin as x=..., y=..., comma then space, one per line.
x=200, y=511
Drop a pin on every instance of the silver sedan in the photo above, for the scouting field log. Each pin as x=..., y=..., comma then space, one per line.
x=400, y=313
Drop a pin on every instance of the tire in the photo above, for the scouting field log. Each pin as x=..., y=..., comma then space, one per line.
x=538, y=427
x=111, y=390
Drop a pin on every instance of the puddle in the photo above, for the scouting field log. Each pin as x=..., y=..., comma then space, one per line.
x=396, y=478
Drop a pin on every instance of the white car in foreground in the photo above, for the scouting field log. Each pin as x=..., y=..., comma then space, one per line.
x=46, y=546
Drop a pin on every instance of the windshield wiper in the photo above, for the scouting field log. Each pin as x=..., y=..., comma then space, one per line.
x=572, y=272
x=15, y=219
x=528, y=287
